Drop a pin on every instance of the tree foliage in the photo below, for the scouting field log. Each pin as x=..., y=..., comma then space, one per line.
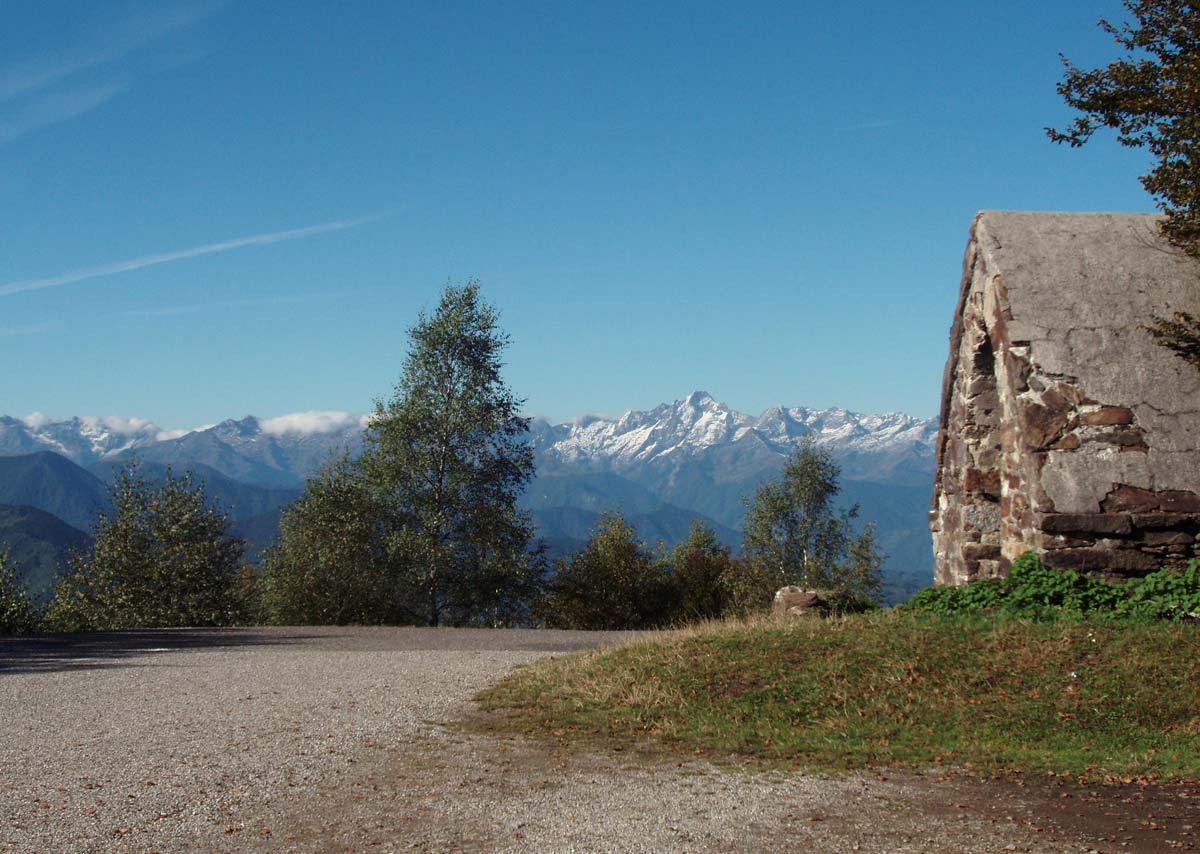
x=17, y=612
x=330, y=564
x=448, y=456
x=1179, y=334
x=614, y=582
x=793, y=533
x=163, y=557
x=711, y=583
x=1151, y=98
x=700, y=573
x=424, y=527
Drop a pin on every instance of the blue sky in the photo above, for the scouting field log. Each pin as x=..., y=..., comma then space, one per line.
x=211, y=210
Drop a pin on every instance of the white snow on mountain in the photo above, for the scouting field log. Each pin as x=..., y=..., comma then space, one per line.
x=699, y=423
x=83, y=439
x=293, y=444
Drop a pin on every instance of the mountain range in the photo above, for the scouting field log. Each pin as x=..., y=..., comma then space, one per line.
x=692, y=458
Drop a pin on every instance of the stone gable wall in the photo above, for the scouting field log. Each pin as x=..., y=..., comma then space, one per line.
x=1065, y=429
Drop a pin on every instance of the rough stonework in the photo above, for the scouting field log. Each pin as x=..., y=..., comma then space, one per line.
x=1065, y=428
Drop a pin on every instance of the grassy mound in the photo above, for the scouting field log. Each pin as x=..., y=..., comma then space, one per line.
x=1092, y=698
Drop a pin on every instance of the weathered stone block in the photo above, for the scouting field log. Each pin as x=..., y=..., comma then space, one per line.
x=798, y=602
x=1091, y=523
x=1060, y=542
x=1109, y=416
x=1126, y=438
x=1130, y=561
x=1164, y=520
x=1130, y=499
x=1041, y=425
x=1080, y=559
x=1168, y=538
x=981, y=551
x=986, y=481
x=981, y=517
x=1069, y=442
x=1173, y=501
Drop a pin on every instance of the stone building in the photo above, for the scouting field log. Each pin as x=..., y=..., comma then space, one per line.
x=1065, y=428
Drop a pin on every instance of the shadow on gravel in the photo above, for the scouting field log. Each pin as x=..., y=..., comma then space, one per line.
x=48, y=653
x=52, y=653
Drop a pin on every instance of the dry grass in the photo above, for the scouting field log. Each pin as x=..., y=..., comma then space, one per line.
x=1088, y=698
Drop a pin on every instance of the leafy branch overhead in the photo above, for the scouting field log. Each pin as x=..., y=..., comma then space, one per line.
x=1151, y=98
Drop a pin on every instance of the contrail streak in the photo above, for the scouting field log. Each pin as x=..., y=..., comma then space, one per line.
x=180, y=255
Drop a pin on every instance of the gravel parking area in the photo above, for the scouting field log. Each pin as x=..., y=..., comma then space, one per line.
x=336, y=740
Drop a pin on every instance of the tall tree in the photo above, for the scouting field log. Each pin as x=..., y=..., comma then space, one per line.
x=1151, y=98
x=793, y=533
x=163, y=557
x=447, y=457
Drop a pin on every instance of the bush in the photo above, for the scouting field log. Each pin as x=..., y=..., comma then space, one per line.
x=17, y=612
x=711, y=584
x=330, y=564
x=164, y=557
x=614, y=582
x=1165, y=595
x=1035, y=591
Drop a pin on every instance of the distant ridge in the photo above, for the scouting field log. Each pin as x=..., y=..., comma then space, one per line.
x=691, y=459
x=40, y=544
x=284, y=451
x=53, y=484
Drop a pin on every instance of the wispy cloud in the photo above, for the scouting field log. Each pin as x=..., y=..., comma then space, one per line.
x=54, y=108
x=45, y=86
x=120, y=40
x=176, y=310
x=144, y=261
x=35, y=329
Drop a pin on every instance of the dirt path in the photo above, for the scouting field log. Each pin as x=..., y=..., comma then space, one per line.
x=337, y=740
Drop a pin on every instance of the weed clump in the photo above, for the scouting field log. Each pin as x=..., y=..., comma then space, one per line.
x=1034, y=591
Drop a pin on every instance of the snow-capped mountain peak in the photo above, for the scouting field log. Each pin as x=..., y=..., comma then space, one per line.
x=699, y=424
x=84, y=439
x=288, y=448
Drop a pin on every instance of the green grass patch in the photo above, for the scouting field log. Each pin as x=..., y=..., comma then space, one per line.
x=1093, y=698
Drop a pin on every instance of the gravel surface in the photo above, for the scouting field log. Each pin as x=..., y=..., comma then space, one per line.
x=337, y=740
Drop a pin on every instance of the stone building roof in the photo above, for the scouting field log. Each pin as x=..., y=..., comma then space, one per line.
x=1082, y=402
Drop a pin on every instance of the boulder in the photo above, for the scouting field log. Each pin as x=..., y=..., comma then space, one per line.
x=798, y=602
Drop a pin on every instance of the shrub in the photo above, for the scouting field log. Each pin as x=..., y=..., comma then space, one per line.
x=614, y=582
x=1164, y=594
x=17, y=612
x=1035, y=591
x=163, y=557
